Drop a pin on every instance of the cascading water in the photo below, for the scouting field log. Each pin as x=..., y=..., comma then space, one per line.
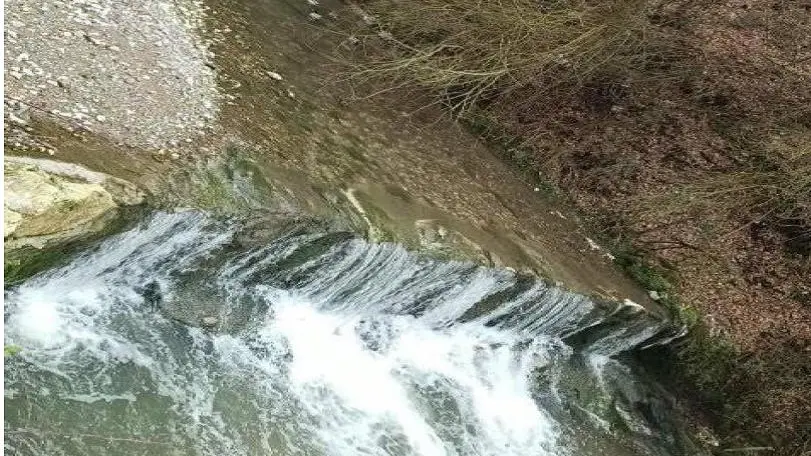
x=315, y=342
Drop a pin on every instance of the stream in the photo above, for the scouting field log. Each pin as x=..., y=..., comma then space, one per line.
x=364, y=281
x=198, y=335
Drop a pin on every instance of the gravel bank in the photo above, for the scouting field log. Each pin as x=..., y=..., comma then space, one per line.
x=136, y=72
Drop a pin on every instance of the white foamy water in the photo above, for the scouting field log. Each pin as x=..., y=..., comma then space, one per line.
x=372, y=383
x=357, y=350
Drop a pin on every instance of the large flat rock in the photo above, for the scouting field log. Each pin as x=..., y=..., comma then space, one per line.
x=49, y=204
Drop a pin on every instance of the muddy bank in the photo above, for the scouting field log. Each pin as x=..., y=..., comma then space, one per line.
x=407, y=166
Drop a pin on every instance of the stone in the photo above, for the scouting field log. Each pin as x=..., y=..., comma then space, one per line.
x=634, y=306
x=17, y=120
x=654, y=295
x=210, y=321
x=49, y=203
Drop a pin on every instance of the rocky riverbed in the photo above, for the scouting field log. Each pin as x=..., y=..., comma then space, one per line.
x=139, y=73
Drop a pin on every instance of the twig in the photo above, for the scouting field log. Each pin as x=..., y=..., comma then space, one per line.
x=677, y=243
x=747, y=449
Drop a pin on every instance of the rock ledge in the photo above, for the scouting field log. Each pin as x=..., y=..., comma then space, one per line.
x=49, y=203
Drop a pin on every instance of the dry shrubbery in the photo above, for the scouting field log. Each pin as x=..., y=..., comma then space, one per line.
x=469, y=53
x=774, y=189
x=684, y=127
x=561, y=77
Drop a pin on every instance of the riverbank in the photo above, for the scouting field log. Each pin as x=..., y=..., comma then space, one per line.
x=139, y=75
x=413, y=180
x=681, y=131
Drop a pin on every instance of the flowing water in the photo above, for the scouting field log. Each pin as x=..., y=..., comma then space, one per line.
x=324, y=344
x=194, y=334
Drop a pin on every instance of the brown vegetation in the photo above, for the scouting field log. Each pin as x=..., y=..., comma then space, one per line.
x=684, y=129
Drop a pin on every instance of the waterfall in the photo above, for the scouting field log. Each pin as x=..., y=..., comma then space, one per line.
x=311, y=341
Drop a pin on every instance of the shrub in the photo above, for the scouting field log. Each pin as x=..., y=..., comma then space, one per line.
x=467, y=53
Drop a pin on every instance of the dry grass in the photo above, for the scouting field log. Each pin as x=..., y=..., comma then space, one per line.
x=469, y=53
x=774, y=189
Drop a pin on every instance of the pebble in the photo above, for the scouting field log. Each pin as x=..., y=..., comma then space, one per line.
x=274, y=75
x=593, y=245
x=210, y=321
x=15, y=119
x=633, y=305
x=92, y=40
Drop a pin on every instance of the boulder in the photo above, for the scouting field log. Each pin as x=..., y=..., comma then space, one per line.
x=49, y=204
